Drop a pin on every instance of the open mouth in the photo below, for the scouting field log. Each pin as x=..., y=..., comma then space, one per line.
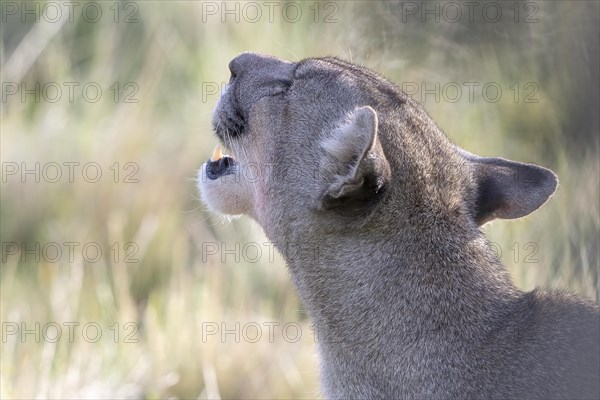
x=219, y=165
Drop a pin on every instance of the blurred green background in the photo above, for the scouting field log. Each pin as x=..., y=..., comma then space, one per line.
x=167, y=284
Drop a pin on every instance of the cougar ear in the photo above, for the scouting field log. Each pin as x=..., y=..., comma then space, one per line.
x=363, y=170
x=509, y=189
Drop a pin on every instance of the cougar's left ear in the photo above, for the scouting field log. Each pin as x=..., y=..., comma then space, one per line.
x=363, y=171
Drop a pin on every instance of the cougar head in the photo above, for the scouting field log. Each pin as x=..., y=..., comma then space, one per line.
x=323, y=145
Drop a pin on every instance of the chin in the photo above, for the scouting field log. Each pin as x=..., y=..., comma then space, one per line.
x=224, y=195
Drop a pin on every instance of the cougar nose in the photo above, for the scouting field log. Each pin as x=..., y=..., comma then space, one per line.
x=244, y=62
x=249, y=62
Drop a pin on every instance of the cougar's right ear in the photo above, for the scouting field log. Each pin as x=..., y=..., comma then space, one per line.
x=364, y=170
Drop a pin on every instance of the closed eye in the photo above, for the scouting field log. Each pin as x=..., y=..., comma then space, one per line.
x=279, y=87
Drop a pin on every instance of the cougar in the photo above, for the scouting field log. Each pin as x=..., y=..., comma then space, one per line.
x=377, y=215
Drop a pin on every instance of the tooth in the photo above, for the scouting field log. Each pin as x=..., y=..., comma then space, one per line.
x=217, y=154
